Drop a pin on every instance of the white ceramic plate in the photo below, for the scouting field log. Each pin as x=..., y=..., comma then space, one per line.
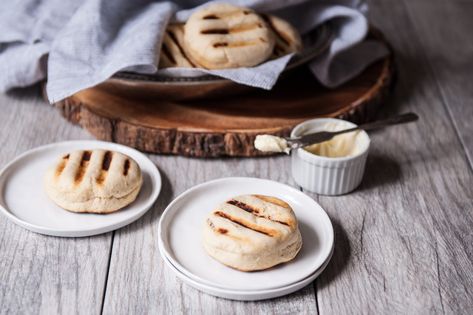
x=244, y=295
x=24, y=201
x=180, y=232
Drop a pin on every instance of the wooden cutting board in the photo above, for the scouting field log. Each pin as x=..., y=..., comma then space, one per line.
x=224, y=126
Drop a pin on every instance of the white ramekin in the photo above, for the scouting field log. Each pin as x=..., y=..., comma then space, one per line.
x=327, y=175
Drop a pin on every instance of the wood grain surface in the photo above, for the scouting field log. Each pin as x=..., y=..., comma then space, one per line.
x=404, y=238
x=448, y=51
x=406, y=233
x=44, y=274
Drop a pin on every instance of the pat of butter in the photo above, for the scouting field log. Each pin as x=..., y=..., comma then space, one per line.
x=269, y=143
x=343, y=145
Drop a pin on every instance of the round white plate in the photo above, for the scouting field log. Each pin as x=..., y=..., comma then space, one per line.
x=24, y=201
x=245, y=295
x=180, y=231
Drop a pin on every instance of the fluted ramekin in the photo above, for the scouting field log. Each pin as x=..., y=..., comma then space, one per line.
x=328, y=175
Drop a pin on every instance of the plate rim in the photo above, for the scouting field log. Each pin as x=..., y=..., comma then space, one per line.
x=80, y=232
x=248, y=295
x=167, y=210
x=164, y=256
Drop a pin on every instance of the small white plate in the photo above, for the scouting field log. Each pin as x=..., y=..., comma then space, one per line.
x=245, y=295
x=215, y=288
x=24, y=201
x=180, y=234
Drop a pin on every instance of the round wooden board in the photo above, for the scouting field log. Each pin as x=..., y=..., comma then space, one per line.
x=223, y=126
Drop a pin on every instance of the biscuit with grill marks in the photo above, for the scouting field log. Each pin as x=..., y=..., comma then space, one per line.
x=225, y=36
x=287, y=39
x=96, y=181
x=252, y=232
x=173, y=53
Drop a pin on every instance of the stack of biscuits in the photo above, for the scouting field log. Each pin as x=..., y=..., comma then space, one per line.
x=222, y=36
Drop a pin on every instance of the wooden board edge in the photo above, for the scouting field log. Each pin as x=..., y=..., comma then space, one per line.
x=210, y=144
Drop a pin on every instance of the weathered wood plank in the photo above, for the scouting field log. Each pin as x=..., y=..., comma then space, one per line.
x=41, y=274
x=404, y=240
x=139, y=282
x=444, y=29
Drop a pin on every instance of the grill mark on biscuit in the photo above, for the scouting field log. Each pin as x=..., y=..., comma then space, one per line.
x=107, y=160
x=275, y=31
x=242, y=44
x=285, y=39
x=219, y=230
x=258, y=229
x=216, y=45
x=60, y=167
x=86, y=156
x=84, y=161
x=237, y=29
x=281, y=222
x=253, y=210
x=215, y=31
x=243, y=206
x=181, y=50
x=223, y=231
x=101, y=178
x=126, y=167
x=210, y=17
x=235, y=44
x=168, y=54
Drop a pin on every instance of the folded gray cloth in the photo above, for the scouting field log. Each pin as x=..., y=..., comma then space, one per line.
x=77, y=44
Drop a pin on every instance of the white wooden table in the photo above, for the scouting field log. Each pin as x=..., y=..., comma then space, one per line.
x=404, y=239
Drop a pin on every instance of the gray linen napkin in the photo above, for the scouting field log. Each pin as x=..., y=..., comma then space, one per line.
x=77, y=45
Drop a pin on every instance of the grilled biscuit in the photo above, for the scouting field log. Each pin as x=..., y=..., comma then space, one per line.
x=225, y=36
x=96, y=181
x=173, y=53
x=287, y=38
x=252, y=232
